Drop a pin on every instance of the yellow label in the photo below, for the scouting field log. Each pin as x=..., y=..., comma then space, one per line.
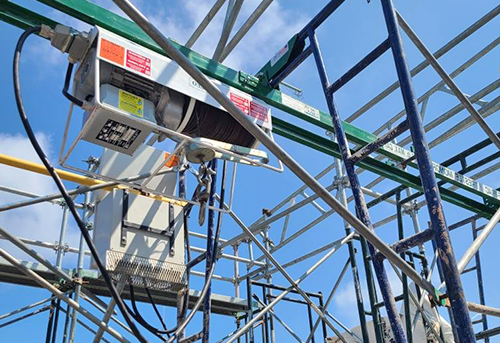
x=131, y=103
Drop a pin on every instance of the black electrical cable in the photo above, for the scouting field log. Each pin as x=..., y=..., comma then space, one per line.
x=196, y=306
x=134, y=312
x=187, y=210
x=151, y=300
x=67, y=80
x=209, y=277
x=69, y=201
x=56, y=320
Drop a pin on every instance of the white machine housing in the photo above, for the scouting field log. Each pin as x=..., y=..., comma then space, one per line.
x=122, y=121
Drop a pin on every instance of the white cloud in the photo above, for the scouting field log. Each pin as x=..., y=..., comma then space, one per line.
x=42, y=221
x=272, y=30
x=345, y=300
x=40, y=51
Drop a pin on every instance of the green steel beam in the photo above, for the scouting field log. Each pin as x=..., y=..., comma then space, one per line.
x=95, y=15
x=328, y=147
x=22, y=17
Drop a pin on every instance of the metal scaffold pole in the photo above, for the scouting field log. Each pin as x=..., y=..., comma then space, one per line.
x=361, y=208
x=429, y=183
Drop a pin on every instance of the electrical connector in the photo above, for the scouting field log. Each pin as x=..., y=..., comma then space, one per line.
x=67, y=40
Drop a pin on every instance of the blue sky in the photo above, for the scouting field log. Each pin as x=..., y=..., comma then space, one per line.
x=346, y=37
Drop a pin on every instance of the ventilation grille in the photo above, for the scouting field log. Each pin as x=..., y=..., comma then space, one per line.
x=142, y=271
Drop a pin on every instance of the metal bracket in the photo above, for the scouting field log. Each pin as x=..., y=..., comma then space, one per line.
x=126, y=225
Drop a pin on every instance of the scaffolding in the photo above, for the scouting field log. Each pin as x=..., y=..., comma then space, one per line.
x=349, y=152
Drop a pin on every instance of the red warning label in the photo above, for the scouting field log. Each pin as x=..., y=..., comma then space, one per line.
x=242, y=103
x=138, y=63
x=249, y=107
x=258, y=111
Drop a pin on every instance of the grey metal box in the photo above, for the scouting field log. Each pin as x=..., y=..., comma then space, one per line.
x=141, y=239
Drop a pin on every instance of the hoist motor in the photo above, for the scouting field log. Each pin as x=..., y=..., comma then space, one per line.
x=131, y=87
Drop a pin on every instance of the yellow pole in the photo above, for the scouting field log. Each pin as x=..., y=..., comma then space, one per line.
x=40, y=169
x=72, y=177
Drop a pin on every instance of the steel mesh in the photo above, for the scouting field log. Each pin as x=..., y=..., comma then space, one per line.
x=142, y=271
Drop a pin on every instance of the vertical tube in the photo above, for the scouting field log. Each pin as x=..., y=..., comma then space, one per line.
x=78, y=287
x=247, y=340
x=309, y=315
x=372, y=292
x=91, y=161
x=352, y=254
x=271, y=324
x=62, y=236
x=269, y=319
x=59, y=257
x=210, y=253
x=248, y=317
x=236, y=272
x=182, y=299
x=443, y=243
x=404, y=280
x=237, y=284
x=265, y=325
x=66, y=321
x=479, y=274
x=323, y=324
x=56, y=320
x=50, y=323
x=352, y=258
x=250, y=309
x=361, y=208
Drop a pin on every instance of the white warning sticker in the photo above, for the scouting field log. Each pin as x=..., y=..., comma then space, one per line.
x=300, y=106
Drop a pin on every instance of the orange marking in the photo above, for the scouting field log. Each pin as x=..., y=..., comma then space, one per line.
x=112, y=51
x=173, y=161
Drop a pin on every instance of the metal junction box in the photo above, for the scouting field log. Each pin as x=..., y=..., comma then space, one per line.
x=141, y=239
